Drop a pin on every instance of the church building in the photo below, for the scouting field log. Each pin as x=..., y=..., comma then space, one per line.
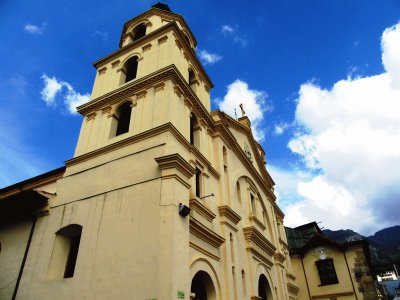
x=163, y=199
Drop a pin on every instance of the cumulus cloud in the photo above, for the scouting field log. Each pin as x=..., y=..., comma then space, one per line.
x=34, y=29
x=233, y=33
x=209, y=58
x=349, y=138
x=254, y=103
x=55, y=90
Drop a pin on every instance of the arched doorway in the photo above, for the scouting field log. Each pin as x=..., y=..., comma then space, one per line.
x=264, y=290
x=202, y=287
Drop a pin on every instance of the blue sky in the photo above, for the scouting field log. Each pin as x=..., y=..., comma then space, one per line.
x=319, y=79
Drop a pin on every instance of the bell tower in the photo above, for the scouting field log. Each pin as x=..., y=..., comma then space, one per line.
x=138, y=86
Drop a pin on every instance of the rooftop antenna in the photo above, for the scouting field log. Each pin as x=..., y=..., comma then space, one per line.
x=242, y=109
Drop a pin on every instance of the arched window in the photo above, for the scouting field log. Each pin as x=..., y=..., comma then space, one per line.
x=139, y=31
x=130, y=68
x=65, y=252
x=194, y=131
x=123, y=117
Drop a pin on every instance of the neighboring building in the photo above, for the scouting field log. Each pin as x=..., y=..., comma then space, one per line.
x=326, y=269
x=113, y=223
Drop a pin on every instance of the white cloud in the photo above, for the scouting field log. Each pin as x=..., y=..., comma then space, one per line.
x=280, y=128
x=233, y=33
x=54, y=89
x=51, y=88
x=350, y=135
x=390, y=43
x=227, y=29
x=254, y=103
x=34, y=29
x=209, y=58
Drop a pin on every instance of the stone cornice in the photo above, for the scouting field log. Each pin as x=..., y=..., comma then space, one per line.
x=253, y=218
x=290, y=276
x=199, y=207
x=154, y=35
x=122, y=143
x=283, y=243
x=292, y=289
x=252, y=235
x=229, y=213
x=163, y=14
x=175, y=161
x=279, y=257
x=205, y=234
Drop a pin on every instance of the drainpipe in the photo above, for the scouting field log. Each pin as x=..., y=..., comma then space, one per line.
x=348, y=269
x=305, y=276
x=21, y=270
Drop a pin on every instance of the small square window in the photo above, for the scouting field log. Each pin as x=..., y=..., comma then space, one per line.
x=326, y=271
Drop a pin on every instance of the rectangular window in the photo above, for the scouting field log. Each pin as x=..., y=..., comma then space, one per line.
x=198, y=183
x=326, y=271
x=253, y=204
x=72, y=256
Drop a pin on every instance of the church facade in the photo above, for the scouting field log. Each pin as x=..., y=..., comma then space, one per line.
x=163, y=199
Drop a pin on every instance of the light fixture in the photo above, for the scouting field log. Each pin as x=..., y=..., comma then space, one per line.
x=211, y=195
x=183, y=210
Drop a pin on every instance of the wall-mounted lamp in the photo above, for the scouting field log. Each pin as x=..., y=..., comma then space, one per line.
x=211, y=195
x=183, y=210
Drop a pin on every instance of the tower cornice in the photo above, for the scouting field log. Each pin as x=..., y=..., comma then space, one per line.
x=151, y=36
x=161, y=13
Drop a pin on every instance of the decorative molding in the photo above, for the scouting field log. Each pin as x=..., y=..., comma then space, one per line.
x=102, y=70
x=253, y=236
x=178, y=91
x=204, y=251
x=178, y=44
x=163, y=39
x=175, y=161
x=205, y=234
x=146, y=47
x=141, y=94
x=106, y=110
x=91, y=116
x=290, y=276
x=279, y=257
x=253, y=218
x=229, y=213
x=283, y=243
x=159, y=87
x=292, y=289
x=115, y=64
x=328, y=296
x=201, y=209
